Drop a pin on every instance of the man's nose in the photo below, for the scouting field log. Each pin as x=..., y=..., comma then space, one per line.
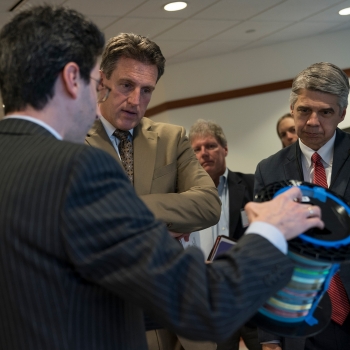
x=134, y=97
x=313, y=119
x=201, y=153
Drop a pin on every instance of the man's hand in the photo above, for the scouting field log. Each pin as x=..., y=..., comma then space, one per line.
x=178, y=236
x=285, y=213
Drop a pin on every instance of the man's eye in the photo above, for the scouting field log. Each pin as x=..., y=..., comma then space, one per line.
x=147, y=91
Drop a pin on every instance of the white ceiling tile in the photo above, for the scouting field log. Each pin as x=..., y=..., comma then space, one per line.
x=154, y=9
x=295, y=10
x=332, y=14
x=5, y=5
x=196, y=30
x=299, y=30
x=143, y=26
x=262, y=28
x=339, y=26
x=171, y=48
x=208, y=27
x=103, y=21
x=206, y=49
x=236, y=9
x=116, y=8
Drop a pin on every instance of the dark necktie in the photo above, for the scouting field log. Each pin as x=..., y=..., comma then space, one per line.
x=336, y=290
x=126, y=152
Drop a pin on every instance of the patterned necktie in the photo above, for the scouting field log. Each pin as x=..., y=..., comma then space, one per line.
x=336, y=290
x=126, y=152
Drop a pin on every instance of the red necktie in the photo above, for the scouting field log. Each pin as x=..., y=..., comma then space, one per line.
x=336, y=290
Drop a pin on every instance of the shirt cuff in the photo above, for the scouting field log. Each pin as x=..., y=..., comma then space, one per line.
x=271, y=233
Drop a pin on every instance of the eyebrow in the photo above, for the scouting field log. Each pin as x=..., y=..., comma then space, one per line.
x=130, y=81
x=322, y=109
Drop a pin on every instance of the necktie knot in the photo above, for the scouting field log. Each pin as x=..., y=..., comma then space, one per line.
x=122, y=135
x=315, y=158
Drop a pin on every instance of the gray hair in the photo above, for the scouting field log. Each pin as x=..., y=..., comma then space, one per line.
x=133, y=46
x=203, y=128
x=324, y=77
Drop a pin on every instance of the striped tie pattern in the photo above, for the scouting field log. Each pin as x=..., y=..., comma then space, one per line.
x=126, y=152
x=336, y=291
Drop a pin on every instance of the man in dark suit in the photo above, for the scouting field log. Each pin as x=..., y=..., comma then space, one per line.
x=235, y=189
x=318, y=104
x=166, y=174
x=80, y=254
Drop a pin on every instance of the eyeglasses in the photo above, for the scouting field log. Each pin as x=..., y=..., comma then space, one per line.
x=102, y=91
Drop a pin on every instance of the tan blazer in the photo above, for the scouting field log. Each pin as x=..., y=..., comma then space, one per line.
x=167, y=175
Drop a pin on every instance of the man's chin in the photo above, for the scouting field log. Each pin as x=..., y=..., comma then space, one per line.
x=128, y=124
x=207, y=168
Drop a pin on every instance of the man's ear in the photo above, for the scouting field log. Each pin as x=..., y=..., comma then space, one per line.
x=291, y=110
x=102, y=76
x=343, y=114
x=71, y=79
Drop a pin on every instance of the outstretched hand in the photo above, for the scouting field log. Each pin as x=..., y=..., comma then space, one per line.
x=286, y=213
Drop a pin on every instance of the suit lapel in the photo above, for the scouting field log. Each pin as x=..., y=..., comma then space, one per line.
x=341, y=163
x=145, y=151
x=236, y=197
x=97, y=137
x=292, y=166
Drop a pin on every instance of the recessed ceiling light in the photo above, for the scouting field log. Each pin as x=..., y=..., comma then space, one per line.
x=175, y=6
x=345, y=12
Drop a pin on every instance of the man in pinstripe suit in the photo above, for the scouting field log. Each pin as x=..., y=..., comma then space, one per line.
x=80, y=254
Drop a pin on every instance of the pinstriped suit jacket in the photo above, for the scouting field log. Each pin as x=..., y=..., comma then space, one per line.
x=80, y=255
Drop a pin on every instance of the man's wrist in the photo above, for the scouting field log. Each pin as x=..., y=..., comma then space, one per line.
x=271, y=233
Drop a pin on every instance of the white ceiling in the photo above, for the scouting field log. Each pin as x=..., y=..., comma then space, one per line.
x=207, y=27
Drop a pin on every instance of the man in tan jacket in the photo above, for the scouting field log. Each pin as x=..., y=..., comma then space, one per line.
x=158, y=157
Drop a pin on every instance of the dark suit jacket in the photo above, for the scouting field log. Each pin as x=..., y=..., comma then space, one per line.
x=240, y=188
x=81, y=255
x=167, y=175
x=286, y=165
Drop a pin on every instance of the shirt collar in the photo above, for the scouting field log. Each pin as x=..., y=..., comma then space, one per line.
x=110, y=128
x=36, y=121
x=326, y=151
